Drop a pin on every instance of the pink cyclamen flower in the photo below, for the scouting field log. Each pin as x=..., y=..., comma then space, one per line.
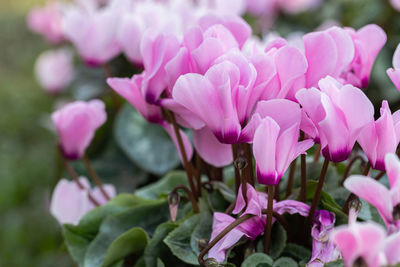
x=76, y=124
x=387, y=201
x=47, y=21
x=70, y=202
x=366, y=243
x=395, y=4
x=253, y=227
x=394, y=73
x=360, y=243
x=214, y=97
x=368, y=41
x=93, y=32
x=130, y=89
x=54, y=70
x=381, y=137
x=275, y=143
x=328, y=52
x=323, y=250
x=339, y=113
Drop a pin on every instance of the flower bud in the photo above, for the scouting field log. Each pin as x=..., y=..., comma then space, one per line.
x=173, y=200
x=202, y=243
x=240, y=163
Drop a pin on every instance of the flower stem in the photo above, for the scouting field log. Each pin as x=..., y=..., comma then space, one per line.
x=317, y=195
x=94, y=176
x=190, y=196
x=237, y=173
x=291, y=178
x=221, y=235
x=186, y=163
x=303, y=178
x=75, y=178
x=249, y=172
x=349, y=167
x=379, y=175
x=317, y=153
x=268, y=227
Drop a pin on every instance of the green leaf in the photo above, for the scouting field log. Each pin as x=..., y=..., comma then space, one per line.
x=337, y=263
x=228, y=194
x=78, y=237
x=164, y=186
x=278, y=240
x=146, y=216
x=285, y=262
x=297, y=252
x=146, y=144
x=132, y=241
x=77, y=243
x=201, y=231
x=179, y=240
x=258, y=260
x=158, y=249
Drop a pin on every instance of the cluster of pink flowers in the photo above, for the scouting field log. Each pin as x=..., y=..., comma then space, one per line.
x=201, y=64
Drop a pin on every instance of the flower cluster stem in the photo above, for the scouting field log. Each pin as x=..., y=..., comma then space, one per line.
x=75, y=178
x=349, y=167
x=292, y=171
x=186, y=163
x=317, y=195
x=268, y=227
x=94, y=176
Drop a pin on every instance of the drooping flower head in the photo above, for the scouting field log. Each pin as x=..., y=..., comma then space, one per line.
x=76, y=124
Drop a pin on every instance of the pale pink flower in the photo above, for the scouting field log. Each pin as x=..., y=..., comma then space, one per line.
x=76, y=124
x=93, y=32
x=54, y=70
x=47, y=21
x=69, y=202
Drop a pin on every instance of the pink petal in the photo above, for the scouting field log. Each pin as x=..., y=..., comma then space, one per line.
x=335, y=137
x=264, y=150
x=184, y=117
x=284, y=112
x=392, y=165
x=371, y=191
x=345, y=48
x=357, y=108
x=394, y=75
x=321, y=54
x=210, y=149
x=347, y=243
x=69, y=203
x=290, y=64
x=392, y=248
x=129, y=89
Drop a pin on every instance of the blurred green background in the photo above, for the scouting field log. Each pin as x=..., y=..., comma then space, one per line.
x=29, y=236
